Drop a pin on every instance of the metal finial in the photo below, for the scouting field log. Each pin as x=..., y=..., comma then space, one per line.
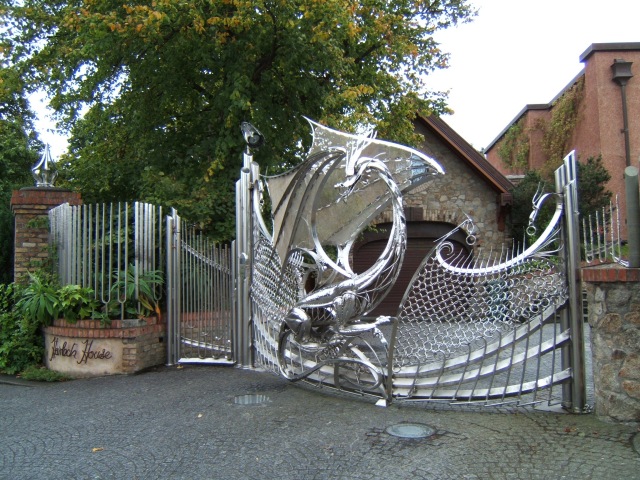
x=45, y=171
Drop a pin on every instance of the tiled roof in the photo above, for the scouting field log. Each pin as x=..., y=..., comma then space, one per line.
x=468, y=154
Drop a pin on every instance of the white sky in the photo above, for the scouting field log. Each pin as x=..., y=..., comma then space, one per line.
x=519, y=52
x=514, y=53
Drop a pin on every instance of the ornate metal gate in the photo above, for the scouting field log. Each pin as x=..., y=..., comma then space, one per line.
x=200, y=300
x=502, y=327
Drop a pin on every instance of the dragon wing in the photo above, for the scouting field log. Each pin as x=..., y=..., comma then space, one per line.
x=311, y=214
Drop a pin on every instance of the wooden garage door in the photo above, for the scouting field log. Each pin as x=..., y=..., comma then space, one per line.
x=371, y=246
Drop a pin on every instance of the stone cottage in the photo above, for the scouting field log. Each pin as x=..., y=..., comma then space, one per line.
x=471, y=186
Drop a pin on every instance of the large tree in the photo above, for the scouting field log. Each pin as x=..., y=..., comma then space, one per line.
x=18, y=153
x=153, y=91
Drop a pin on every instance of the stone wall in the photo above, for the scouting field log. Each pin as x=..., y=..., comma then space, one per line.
x=613, y=296
x=460, y=191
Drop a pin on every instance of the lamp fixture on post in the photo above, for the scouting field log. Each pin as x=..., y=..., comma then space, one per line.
x=621, y=75
x=45, y=171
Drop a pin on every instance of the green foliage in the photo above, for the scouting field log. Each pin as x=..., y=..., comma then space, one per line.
x=135, y=301
x=522, y=206
x=592, y=196
x=37, y=373
x=39, y=302
x=164, y=85
x=25, y=309
x=558, y=131
x=592, y=192
x=38, y=222
x=514, y=147
x=76, y=303
x=21, y=341
x=42, y=301
x=18, y=153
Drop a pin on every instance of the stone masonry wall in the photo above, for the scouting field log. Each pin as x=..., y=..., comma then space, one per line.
x=613, y=296
x=460, y=191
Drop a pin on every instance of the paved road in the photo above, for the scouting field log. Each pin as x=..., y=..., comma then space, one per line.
x=185, y=423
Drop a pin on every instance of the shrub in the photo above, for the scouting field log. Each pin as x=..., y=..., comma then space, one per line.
x=21, y=341
x=24, y=310
x=135, y=302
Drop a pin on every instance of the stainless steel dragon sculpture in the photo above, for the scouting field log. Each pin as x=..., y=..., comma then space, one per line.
x=319, y=210
x=475, y=326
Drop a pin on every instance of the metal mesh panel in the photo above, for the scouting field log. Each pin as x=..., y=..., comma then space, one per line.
x=445, y=310
x=274, y=291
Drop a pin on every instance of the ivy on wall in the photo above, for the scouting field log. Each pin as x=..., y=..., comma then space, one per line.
x=514, y=147
x=558, y=130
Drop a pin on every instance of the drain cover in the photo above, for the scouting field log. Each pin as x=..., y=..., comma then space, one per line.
x=410, y=430
x=253, y=399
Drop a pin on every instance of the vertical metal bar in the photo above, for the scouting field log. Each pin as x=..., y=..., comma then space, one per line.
x=68, y=244
x=242, y=348
x=197, y=298
x=85, y=245
x=178, y=277
x=172, y=355
x=77, y=254
x=137, y=248
x=211, y=271
x=617, y=242
x=561, y=180
x=69, y=277
x=235, y=314
x=93, y=273
x=117, y=265
x=161, y=246
x=192, y=276
x=100, y=241
x=573, y=276
x=633, y=215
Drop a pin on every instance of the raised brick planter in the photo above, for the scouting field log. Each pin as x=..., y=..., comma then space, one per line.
x=85, y=349
x=613, y=296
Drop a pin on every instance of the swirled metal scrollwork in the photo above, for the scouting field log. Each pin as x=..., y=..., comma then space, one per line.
x=319, y=209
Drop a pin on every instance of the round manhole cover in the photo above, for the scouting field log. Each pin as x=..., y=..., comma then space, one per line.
x=410, y=430
x=252, y=399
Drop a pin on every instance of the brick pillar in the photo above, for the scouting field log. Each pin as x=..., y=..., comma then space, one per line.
x=613, y=296
x=30, y=207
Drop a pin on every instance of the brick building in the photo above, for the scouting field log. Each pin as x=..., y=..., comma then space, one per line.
x=597, y=113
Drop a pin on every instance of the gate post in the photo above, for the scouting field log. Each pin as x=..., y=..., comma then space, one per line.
x=567, y=183
x=173, y=287
x=242, y=337
x=244, y=250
